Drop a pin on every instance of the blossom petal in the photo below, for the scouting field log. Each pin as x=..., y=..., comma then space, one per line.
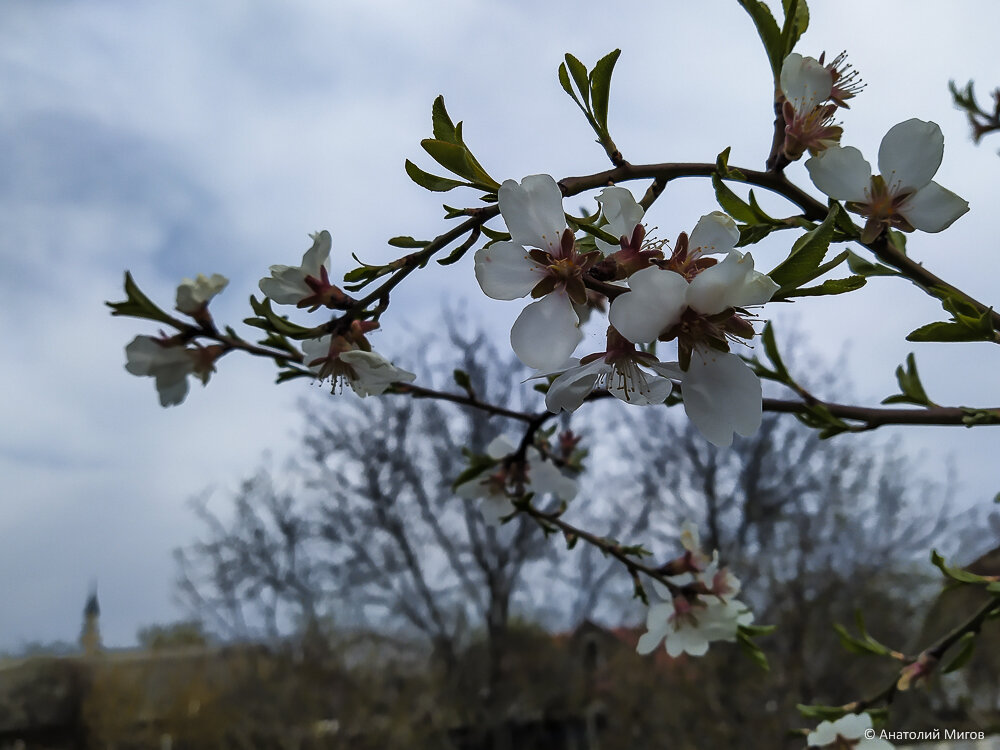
x=805, y=83
x=717, y=288
x=317, y=255
x=721, y=396
x=655, y=303
x=622, y=214
x=649, y=641
x=933, y=208
x=544, y=478
x=533, y=211
x=504, y=270
x=374, y=372
x=500, y=447
x=910, y=155
x=193, y=293
x=842, y=173
x=568, y=391
x=546, y=332
x=714, y=233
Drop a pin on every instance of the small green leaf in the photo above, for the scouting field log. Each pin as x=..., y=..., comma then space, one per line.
x=796, y=23
x=137, y=304
x=959, y=574
x=462, y=380
x=752, y=650
x=600, y=86
x=860, y=266
x=442, y=126
x=579, y=72
x=946, y=331
x=966, y=645
x=567, y=86
x=771, y=350
x=769, y=33
x=408, y=242
x=432, y=181
x=731, y=203
x=911, y=389
x=831, y=286
x=806, y=255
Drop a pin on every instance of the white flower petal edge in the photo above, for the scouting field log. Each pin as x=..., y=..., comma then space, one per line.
x=933, y=208
x=621, y=212
x=805, y=83
x=656, y=301
x=505, y=271
x=533, y=211
x=374, y=372
x=193, y=293
x=714, y=233
x=850, y=727
x=286, y=285
x=546, y=332
x=169, y=365
x=722, y=395
x=910, y=154
x=842, y=173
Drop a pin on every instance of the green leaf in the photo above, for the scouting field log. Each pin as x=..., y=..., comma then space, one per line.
x=137, y=304
x=806, y=255
x=831, y=286
x=432, y=181
x=771, y=350
x=408, y=242
x=268, y=319
x=966, y=645
x=579, y=72
x=442, y=126
x=862, y=267
x=600, y=86
x=755, y=630
x=567, y=86
x=462, y=380
x=959, y=574
x=752, y=650
x=796, y=23
x=946, y=331
x=730, y=202
x=911, y=389
x=451, y=156
x=477, y=465
x=286, y=375
x=769, y=33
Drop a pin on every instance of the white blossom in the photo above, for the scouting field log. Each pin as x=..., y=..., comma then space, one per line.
x=904, y=195
x=169, y=365
x=847, y=731
x=287, y=285
x=540, y=260
x=193, y=294
x=541, y=477
x=368, y=373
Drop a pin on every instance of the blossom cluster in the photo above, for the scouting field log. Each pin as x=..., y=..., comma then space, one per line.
x=690, y=297
x=343, y=356
x=697, y=604
x=509, y=480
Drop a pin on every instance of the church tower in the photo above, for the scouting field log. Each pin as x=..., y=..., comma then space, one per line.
x=90, y=635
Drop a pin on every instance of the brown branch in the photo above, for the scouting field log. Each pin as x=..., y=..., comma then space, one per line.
x=777, y=183
x=934, y=652
x=873, y=417
x=466, y=400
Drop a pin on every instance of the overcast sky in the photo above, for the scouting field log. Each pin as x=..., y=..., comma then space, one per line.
x=180, y=138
